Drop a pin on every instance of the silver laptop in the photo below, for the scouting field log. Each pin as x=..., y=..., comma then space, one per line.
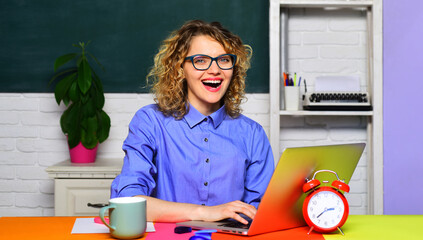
x=281, y=205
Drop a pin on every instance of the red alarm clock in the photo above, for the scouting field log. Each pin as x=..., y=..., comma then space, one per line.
x=325, y=208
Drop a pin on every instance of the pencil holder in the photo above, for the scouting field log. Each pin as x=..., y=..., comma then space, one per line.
x=292, y=98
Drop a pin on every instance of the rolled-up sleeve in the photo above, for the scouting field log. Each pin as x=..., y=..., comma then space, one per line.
x=138, y=171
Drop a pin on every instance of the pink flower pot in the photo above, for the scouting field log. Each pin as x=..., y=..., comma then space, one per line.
x=80, y=154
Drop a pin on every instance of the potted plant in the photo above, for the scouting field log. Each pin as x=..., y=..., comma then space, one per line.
x=83, y=122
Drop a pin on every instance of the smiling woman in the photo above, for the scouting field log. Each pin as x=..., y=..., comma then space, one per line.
x=193, y=155
x=168, y=73
x=207, y=86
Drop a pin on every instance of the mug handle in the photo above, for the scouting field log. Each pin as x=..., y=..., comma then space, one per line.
x=103, y=211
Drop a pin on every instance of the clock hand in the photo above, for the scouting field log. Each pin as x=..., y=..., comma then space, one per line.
x=326, y=209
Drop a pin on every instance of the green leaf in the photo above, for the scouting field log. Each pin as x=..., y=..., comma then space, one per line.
x=103, y=126
x=63, y=121
x=89, y=143
x=74, y=92
x=84, y=76
x=98, y=97
x=63, y=86
x=99, y=93
x=65, y=72
x=87, y=71
x=85, y=98
x=89, y=125
x=70, y=124
x=88, y=108
x=99, y=100
x=70, y=118
x=74, y=139
x=88, y=135
x=66, y=100
x=97, y=83
x=60, y=61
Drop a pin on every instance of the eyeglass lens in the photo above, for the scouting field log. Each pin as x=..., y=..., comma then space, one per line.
x=203, y=62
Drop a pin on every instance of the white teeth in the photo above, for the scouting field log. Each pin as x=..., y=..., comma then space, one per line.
x=212, y=81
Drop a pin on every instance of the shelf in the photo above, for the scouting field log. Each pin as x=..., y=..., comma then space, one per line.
x=101, y=168
x=326, y=113
x=279, y=15
x=325, y=3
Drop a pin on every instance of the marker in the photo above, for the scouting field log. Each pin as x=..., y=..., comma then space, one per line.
x=299, y=82
x=295, y=79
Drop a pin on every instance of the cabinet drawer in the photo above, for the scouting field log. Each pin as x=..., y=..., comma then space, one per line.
x=73, y=195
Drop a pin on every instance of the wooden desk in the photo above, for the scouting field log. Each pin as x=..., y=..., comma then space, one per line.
x=357, y=227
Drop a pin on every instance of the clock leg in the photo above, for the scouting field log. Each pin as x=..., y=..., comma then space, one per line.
x=309, y=231
x=341, y=231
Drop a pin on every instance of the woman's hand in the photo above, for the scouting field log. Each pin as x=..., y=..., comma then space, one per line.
x=228, y=210
x=164, y=211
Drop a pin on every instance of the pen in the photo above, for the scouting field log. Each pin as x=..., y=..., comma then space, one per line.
x=299, y=82
x=305, y=85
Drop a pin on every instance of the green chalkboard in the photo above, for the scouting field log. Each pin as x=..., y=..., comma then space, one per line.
x=124, y=35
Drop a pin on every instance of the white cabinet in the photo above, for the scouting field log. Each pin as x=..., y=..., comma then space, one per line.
x=77, y=185
x=73, y=195
x=280, y=57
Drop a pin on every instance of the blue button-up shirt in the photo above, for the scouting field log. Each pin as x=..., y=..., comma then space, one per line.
x=199, y=159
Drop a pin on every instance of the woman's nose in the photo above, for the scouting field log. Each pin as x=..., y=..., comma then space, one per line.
x=214, y=68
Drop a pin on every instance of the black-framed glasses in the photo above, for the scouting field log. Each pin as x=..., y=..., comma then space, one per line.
x=203, y=62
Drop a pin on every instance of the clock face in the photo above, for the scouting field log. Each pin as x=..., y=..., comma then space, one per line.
x=325, y=209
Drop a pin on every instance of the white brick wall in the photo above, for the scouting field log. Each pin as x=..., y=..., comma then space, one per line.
x=327, y=42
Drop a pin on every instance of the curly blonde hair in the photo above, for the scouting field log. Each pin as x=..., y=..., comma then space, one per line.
x=170, y=87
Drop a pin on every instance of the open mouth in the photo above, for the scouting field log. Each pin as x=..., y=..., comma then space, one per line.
x=212, y=83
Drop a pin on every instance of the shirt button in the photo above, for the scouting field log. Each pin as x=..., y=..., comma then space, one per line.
x=207, y=160
x=206, y=183
x=206, y=139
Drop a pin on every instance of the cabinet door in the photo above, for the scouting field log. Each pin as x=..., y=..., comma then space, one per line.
x=73, y=195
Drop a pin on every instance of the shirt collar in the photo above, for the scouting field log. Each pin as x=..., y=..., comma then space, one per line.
x=194, y=117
